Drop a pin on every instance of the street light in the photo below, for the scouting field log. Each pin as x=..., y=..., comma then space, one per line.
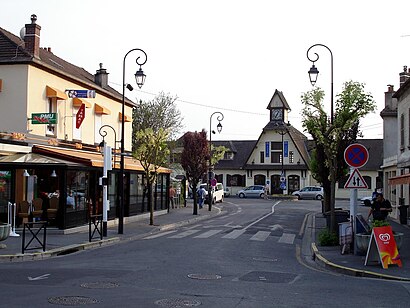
x=219, y=117
x=140, y=79
x=314, y=72
x=107, y=155
x=282, y=130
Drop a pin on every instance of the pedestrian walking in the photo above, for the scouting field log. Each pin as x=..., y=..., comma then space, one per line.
x=201, y=196
x=172, y=193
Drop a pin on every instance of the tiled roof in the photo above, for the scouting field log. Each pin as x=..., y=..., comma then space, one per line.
x=12, y=52
x=241, y=150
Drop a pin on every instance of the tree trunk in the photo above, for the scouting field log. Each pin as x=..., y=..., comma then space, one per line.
x=150, y=203
x=195, y=196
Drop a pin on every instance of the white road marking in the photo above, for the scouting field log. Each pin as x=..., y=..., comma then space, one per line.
x=208, y=234
x=263, y=217
x=45, y=276
x=287, y=238
x=184, y=234
x=234, y=234
x=158, y=235
x=260, y=236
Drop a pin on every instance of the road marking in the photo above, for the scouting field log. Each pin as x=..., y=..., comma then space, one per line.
x=287, y=238
x=208, y=234
x=184, y=234
x=263, y=217
x=234, y=234
x=158, y=235
x=45, y=276
x=260, y=236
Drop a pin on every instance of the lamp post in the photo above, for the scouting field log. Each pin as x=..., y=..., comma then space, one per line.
x=107, y=155
x=282, y=131
x=313, y=74
x=140, y=79
x=219, y=117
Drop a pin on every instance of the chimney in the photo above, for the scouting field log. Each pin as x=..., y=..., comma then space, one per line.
x=32, y=37
x=389, y=101
x=404, y=75
x=101, y=77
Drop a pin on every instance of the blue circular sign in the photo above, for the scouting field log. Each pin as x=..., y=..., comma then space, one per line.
x=356, y=155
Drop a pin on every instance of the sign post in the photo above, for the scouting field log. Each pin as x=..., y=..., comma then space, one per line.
x=356, y=156
x=79, y=117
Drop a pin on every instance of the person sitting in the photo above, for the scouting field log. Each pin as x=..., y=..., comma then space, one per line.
x=70, y=200
x=380, y=208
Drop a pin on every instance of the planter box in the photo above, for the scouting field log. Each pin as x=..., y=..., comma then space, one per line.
x=362, y=241
x=4, y=231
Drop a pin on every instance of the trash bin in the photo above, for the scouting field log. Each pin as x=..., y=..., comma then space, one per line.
x=403, y=214
x=340, y=216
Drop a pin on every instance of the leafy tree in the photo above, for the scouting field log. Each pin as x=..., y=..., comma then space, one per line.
x=160, y=112
x=194, y=160
x=152, y=152
x=328, y=164
x=217, y=154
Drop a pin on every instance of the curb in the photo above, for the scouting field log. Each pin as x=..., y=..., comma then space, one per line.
x=322, y=261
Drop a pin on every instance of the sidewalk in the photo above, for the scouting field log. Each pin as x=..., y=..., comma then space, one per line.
x=58, y=243
x=350, y=264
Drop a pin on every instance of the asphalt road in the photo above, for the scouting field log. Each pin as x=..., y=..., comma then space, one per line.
x=249, y=257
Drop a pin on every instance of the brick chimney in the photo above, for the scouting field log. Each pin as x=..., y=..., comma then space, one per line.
x=404, y=75
x=101, y=77
x=389, y=101
x=32, y=37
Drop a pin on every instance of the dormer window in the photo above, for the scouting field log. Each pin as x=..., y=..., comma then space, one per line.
x=228, y=155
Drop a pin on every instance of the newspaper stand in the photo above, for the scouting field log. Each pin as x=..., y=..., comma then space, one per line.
x=345, y=236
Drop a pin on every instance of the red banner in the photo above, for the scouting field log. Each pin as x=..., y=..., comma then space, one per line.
x=79, y=117
x=382, y=247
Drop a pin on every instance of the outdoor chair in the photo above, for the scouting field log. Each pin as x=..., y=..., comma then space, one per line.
x=52, y=210
x=23, y=211
x=37, y=208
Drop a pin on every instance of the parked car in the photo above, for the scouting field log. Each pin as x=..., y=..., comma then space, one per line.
x=227, y=192
x=309, y=192
x=366, y=201
x=257, y=191
x=217, y=192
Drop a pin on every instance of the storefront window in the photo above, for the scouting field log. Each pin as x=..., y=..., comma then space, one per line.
x=77, y=189
x=5, y=191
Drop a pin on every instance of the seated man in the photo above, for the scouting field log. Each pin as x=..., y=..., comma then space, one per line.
x=70, y=200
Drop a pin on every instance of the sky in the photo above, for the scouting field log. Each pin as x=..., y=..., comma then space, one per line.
x=228, y=56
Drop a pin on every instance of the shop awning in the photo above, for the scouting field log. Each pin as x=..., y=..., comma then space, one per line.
x=32, y=159
x=53, y=92
x=126, y=118
x=98, y=109
x=93, y=159
x=401, y=179
x=77, y=102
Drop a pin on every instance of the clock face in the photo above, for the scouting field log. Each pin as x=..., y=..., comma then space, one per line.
x=276, y=114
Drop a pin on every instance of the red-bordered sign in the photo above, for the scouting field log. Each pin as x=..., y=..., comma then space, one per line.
x=79, y=117
x=356, y=180
x=356, y=155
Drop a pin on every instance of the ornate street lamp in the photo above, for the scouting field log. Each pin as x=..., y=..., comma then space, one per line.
x=219, y=117
x=314, y=73
x=140, y=79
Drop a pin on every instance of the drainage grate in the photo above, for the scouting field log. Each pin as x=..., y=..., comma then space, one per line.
x=204, y=276
x=100, y=285
x=72, y=300
x=177, y=302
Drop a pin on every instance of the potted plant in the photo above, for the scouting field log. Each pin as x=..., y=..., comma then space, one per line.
x=4, y=231
x=363, y=239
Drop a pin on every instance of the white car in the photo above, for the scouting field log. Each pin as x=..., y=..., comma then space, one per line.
x=217, y=192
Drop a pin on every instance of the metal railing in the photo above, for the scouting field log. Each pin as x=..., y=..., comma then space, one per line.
x=95, y=227
x=31, y=227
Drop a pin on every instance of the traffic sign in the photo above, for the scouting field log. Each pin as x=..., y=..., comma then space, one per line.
x=213, y=182
x=356, y=180
x=356, y=155
x=81, y=93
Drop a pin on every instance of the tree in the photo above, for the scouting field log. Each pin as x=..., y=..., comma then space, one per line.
x=161, y=112
x=327, y=165
x=152, y=152
x=194, y=160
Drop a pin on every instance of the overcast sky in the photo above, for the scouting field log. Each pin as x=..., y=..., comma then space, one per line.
x=228, y=55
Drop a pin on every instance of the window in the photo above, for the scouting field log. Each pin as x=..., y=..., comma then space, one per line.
x=219, y=178
x=276, y=157
x=235, y=180
x=402, y=132
x=276, y=146
x=259, y=179
x=98, y=123
x=228, y=155
x=368, y=181
x=52, y=108
x=76, y=131
x=342, y=181
x=262, y=157
x=291, y=157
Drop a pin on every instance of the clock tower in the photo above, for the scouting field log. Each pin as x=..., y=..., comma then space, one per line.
x=278, y=107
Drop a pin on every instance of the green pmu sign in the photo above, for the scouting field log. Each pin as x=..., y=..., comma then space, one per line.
x=44, y=118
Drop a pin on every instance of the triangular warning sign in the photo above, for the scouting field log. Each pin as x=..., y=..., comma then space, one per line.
x=355, y=180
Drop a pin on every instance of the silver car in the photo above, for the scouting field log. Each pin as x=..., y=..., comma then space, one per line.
x=309, y=192
x=257, y=191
